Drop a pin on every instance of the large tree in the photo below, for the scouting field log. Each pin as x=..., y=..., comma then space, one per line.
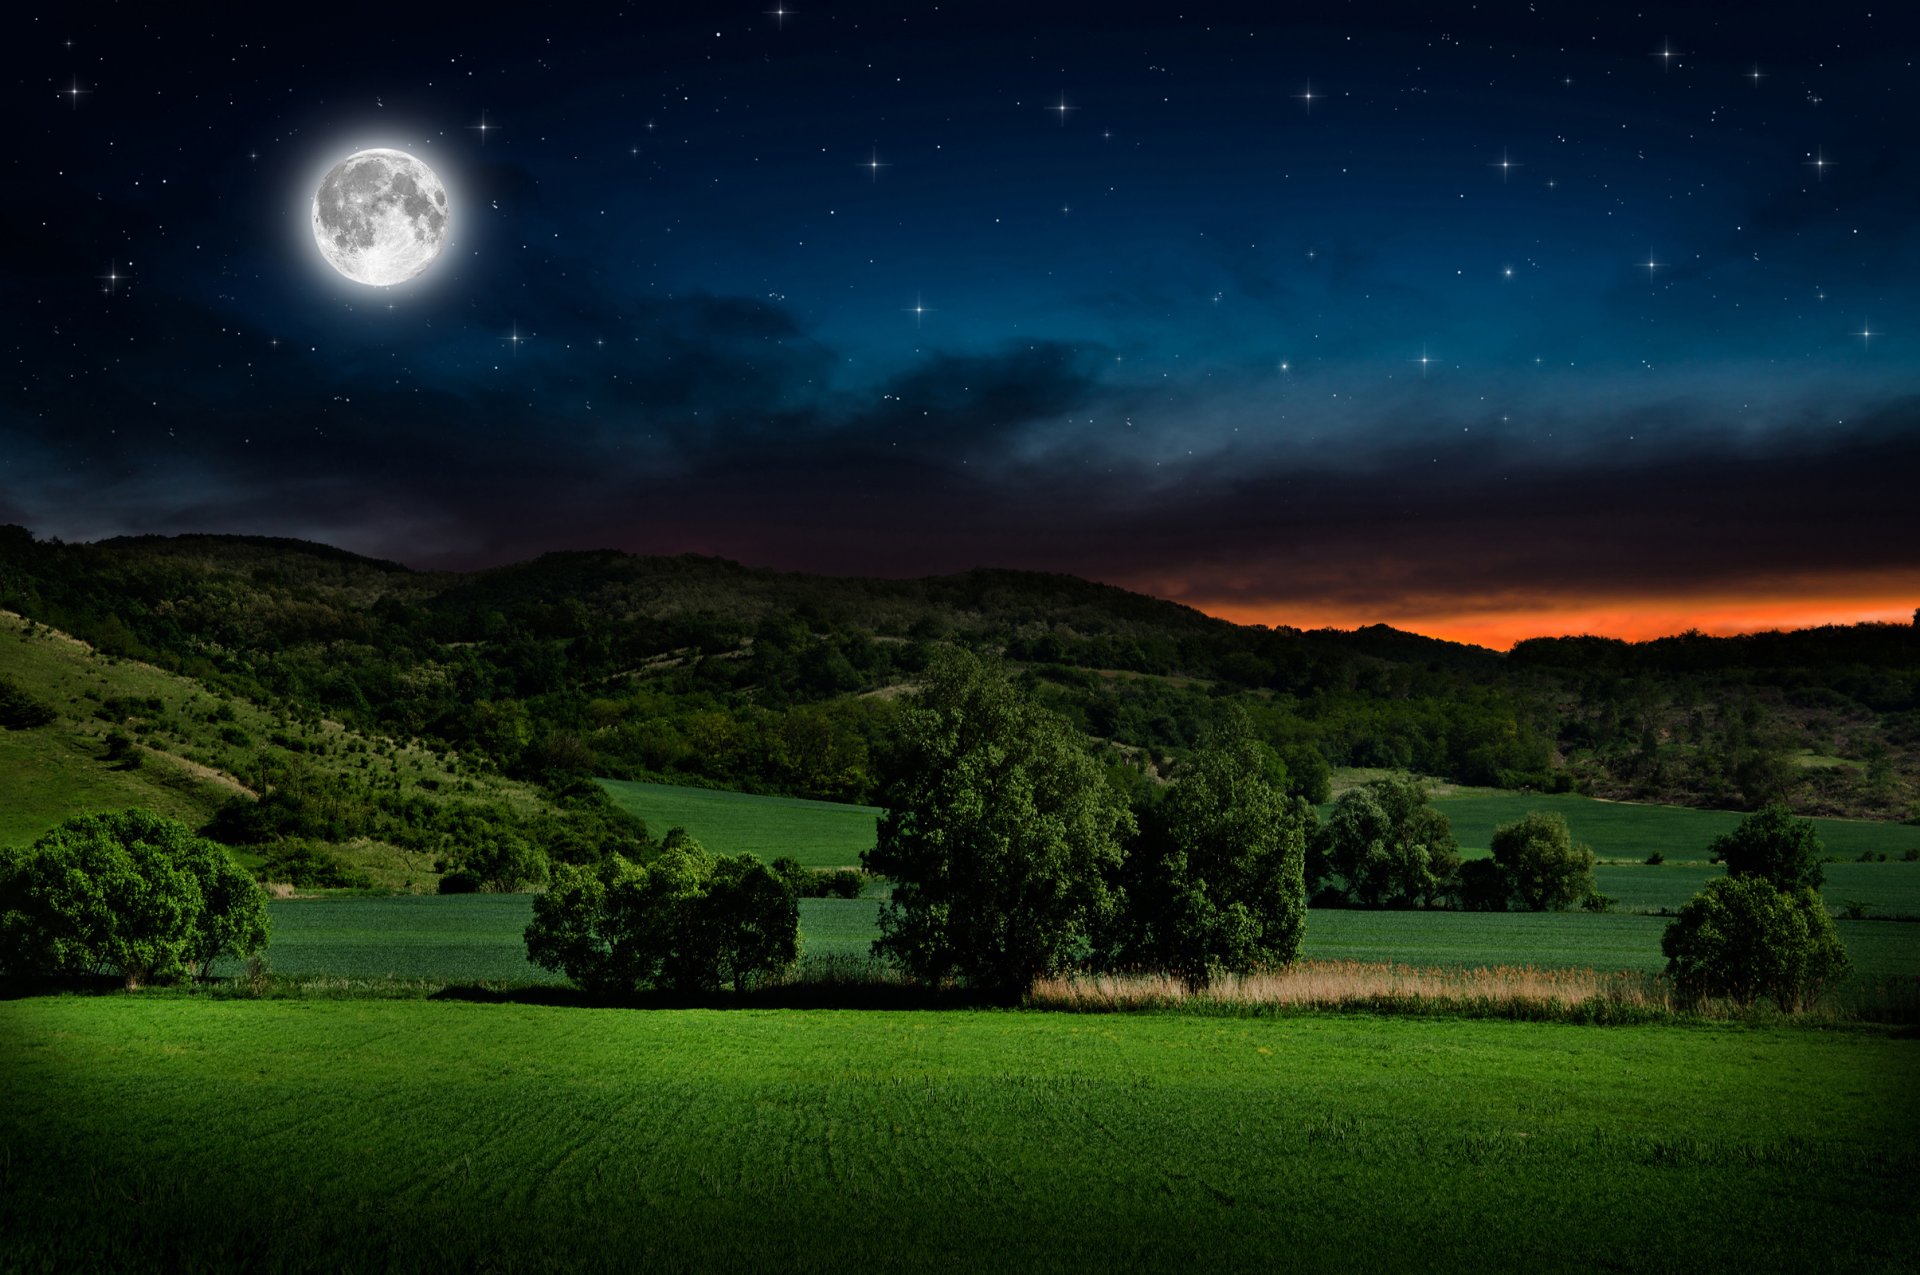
x=134, y=893
x=1545, y=869
x=1392, y=848
x=1000, y=835
x=1743, y=938
x=1215, y=880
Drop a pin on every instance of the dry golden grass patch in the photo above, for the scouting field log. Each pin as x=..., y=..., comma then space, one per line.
x=1519, y=990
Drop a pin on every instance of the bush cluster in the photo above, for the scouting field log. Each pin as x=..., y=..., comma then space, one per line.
x=683, y=921
x=1761, y=930
x=819, y=883
x=133, y=894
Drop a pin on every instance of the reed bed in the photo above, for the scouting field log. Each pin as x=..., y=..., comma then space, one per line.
x=1502, y=991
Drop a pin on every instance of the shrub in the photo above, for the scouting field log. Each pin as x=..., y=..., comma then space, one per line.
x=460, y=881
x=122, y=749
x=133, y=893
x=1597, y=902
x=1773, y=844
x=1545, y=870
x=503, y=861
x=303, y=864
x=1742, y=938
x=819, y=883
x=1483, y=886
x=1655, y=859
x=683, y=921
x=19, y=710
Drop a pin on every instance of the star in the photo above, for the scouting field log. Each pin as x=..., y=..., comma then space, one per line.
x=514, y=340
x=110, y=281
x=1819, y=164
x=873, y=164
x=74, y=94
x=1756, y=75
x=1506, y=165
x=1307, y=96
x=1650, y=265
x=1666, y=54
x=1061, y=108
x=1423, y=361
x=1866, y=334
x=919, y=310
x=780, y=13
x=482, y=128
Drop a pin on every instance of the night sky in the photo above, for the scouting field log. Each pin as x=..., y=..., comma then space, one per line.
x=1477, y=320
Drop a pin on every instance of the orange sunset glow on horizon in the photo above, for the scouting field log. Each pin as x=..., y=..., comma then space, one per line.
x=1635, y=620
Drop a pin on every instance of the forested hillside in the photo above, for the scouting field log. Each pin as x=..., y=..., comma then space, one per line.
x=700, y=670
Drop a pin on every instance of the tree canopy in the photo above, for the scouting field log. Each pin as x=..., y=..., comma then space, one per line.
x=1215, y=877
x=1001, y=837
x=1775, y=846
x=1545, y=870
x=1743, y=938
x=133, y=893
x=683, y=921
x=1390, y=846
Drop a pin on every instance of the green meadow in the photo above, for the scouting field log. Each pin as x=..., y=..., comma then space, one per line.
x=1628, y=830
x=177, y=1132
x=477, y=938
x=820, y=834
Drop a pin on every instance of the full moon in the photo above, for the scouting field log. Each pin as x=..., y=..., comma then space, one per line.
x=380, y=217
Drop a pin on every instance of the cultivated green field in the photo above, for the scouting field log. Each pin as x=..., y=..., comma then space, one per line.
x=477, y=938
x=820, y=834
x=174, y=1132
x=1627, y=830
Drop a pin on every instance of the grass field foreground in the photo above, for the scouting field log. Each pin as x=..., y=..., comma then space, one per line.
x=191, y=1134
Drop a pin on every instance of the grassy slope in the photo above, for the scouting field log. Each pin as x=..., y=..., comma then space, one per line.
x=478, y=938
x=173, y=1132
x=187, y=769
x=820, y=834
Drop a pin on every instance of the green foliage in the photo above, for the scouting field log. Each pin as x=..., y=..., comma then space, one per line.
x=122, y=749
x=21, y=711
x=1773, y=845
x=1215, y=879
x=1000, y=836
x=818, y=883
x=684, y=921
x=1391, y=847
x=1744, y=938
x=502, y=860
x=1483, y=886
x=133, y=893
x=302, y=863
x=1544, y=869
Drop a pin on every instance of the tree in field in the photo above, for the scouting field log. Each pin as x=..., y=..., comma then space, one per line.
x=1544, y=869
x=682, y=921
x=1393, y=849
x=1744, y=938
x=1775, y=846
x=1000, y=836
x=133, y=893
x=1215, y=880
